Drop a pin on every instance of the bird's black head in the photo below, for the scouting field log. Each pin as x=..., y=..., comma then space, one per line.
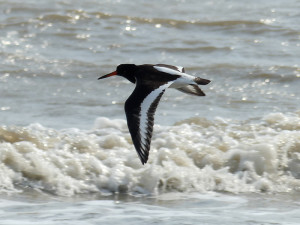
x=124, y=70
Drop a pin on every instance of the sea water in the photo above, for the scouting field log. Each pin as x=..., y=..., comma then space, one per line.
x=231, y=157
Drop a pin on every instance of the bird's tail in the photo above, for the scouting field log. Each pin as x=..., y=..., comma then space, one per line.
x=201, y=81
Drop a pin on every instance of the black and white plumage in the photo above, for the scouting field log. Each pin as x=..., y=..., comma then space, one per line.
x=151, y=82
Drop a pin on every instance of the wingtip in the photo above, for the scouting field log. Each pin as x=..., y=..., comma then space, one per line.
x=144, y=160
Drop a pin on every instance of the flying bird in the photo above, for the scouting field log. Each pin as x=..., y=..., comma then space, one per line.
x=151, y=82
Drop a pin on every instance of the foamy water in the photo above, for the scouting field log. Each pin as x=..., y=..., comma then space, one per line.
x=195, y=154
x=231, y=157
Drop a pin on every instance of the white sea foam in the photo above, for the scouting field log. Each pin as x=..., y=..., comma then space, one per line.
x=193, y=155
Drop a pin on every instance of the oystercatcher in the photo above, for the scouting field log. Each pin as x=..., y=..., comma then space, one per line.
x=151, y=82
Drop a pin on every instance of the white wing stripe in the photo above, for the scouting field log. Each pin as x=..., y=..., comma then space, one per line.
x=145, y=106
x=173, y=72
x=180, y=68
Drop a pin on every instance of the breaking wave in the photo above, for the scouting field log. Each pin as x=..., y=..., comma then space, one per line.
x=194, y=155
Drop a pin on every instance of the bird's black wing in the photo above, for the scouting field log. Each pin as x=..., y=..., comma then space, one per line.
x=140, y=109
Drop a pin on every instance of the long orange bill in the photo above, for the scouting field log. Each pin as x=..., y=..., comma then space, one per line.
x=108, y=75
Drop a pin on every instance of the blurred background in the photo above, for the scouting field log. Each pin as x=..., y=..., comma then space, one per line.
x=52, y=52
x=65, y=152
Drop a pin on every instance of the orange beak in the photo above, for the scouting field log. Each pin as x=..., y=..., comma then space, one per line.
x=108, y=75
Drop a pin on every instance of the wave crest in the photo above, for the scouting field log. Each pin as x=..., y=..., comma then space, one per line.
x=192, y=155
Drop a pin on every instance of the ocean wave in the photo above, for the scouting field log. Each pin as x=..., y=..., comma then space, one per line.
x=77, y=15
x=206, y=49
x=195, y=154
